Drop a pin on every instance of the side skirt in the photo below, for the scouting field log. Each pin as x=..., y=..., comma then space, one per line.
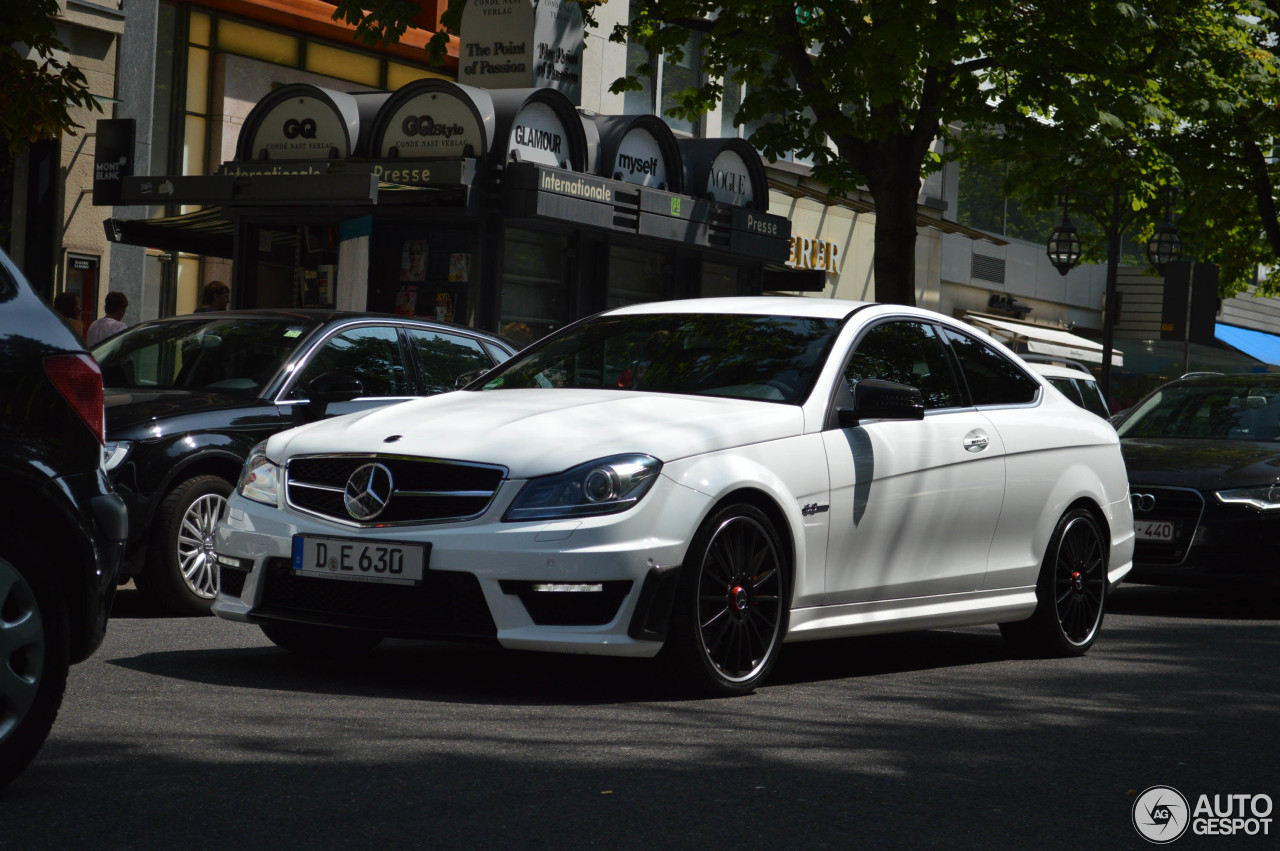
x=881, y=616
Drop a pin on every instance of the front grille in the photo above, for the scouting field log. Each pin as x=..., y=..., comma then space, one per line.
x=444, y=605
x=1182, y=506
x=426, y=490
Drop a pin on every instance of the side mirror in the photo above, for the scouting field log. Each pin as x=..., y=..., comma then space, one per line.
x=468, y=377
x=333, y=387
x=874, y=399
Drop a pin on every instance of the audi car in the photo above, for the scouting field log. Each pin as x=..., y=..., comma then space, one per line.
x=700, y=481
x=1203, y=455
x=187, y=397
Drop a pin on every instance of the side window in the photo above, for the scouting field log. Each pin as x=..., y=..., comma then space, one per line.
x=908, y=353
x=1093, y=400
x=993, y=379
x=369, y=355
x=443, y=357
x=1067, y=387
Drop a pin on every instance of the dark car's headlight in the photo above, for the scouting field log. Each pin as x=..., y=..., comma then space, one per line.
x=260, y=478
x=1261, y=498
x=606, y=486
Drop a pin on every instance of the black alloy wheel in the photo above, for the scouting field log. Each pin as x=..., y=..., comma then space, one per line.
x=731, y=613
x=1071, y=592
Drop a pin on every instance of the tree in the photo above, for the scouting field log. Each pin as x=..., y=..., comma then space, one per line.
x=867, y=88
x=37, y=89
x=1161, y=116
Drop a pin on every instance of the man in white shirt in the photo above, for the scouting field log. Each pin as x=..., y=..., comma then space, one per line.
x=110, y=324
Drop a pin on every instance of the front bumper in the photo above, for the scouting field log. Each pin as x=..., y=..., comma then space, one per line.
x=527, y=585
x=1221, y=544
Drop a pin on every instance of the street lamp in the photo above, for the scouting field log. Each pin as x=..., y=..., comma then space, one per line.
x=1064, y=243
x=1165, y=246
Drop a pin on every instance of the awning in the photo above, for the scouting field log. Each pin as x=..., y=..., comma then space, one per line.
x=1256, y=344
x=1041, y=340
x=202, y=232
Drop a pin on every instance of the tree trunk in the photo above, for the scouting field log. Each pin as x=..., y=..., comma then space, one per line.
x=896, y=191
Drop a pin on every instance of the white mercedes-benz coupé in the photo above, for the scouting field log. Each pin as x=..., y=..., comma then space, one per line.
x=701, y=481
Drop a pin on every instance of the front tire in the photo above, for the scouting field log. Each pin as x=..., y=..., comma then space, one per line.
x=320, y=642
x=34, y=657
x=1071, y=592
x=732, y=605
x=181, y=574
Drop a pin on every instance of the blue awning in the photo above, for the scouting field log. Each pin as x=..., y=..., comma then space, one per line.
x=1256, y=344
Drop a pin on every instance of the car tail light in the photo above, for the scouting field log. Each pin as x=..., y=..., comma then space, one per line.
x=79, y=380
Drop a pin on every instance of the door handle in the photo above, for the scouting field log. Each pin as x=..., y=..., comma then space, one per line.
x=976, y=441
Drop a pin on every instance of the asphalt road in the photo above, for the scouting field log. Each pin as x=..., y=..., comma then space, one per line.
x=197, y=733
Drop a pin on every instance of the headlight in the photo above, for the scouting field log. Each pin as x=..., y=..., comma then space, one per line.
x=114, y=452
x=606, y=486
x=260, y=479
x=1261, y=498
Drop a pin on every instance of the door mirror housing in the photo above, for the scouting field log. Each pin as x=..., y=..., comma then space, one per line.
x=874, y=399
x=467, y=377
x=330, y=387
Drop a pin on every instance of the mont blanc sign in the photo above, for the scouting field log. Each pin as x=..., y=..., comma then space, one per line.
x=515, y=44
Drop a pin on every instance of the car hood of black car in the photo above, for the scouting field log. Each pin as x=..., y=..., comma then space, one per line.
x=129, y=410
x=1204, y=464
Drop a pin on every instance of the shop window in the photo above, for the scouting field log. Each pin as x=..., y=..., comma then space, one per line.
x=197, y=80
x=534, y=298
x=246, y=40
x=193, y=147
x=399, y=75
x=342, y=64
x=199, y=29
x=671, y=78
x=635, y=276
x=720, y=279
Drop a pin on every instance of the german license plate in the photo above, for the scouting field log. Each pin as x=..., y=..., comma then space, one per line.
x=389, y=562
x=1154, y=530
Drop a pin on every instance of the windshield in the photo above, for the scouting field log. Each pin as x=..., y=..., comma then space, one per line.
x=1215, y=411
x=230, y=353
x=774, y=358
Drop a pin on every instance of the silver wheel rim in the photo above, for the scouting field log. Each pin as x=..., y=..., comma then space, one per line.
x=1080, y=578
x=196, y=560
x=22, y=648
x=739, y=599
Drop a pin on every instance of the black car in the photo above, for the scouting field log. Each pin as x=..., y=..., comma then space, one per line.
x=61, y=528
x=188, y=397
x=1203, y=456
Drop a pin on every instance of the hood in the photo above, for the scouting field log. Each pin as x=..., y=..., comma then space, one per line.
x=128, y=410
x=536, y=432
x=1205, y=464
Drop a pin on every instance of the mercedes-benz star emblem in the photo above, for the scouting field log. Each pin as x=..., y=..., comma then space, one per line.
x=367, y=491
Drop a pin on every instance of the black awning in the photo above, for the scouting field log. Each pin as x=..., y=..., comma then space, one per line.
x=782, y=279
x=207, y=232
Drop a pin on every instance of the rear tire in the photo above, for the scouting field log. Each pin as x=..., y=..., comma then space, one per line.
x=320, y=642
x=1071, y=592
x=181, y=574
x=732, y=604
x=35, y=640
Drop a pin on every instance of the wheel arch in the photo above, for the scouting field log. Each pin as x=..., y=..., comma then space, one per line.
x=766, y=503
